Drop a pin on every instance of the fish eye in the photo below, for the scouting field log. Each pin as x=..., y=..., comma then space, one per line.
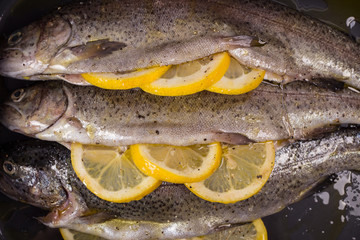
x=15, y=38
x=9, y=168
x=18, y=95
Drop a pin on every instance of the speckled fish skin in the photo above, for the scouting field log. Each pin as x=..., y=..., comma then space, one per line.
x=171, y=211
x=68, y=113
x=113, y=36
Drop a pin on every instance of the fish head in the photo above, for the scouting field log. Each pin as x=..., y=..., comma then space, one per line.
x=28, y=175
x=32, y=110
x=28, y=51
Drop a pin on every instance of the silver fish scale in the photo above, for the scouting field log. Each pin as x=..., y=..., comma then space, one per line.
x=143, y=24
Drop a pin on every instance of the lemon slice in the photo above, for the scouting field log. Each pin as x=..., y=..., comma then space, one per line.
x=260, y=229
x=69, y=234
x=177, y=164
x=191, y=77
x=125, y=80
x=110, y=173
x=255, y=230
x=238, y=79
x=243, y=172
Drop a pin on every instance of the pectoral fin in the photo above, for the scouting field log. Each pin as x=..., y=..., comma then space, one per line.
x=99, y=48
x=232, y=138
x=94, y=49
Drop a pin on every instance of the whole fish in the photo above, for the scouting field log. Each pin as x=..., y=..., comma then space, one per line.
x=57, y=111
x=243, y=231
x=40, y=174
x=117, y=36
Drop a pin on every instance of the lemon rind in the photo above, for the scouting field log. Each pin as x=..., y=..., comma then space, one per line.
x=146, y=186
x=244, y=84
x=125, y=81
x=219, y=67
x=148, y=167
x=233, y=196
x=260, y=229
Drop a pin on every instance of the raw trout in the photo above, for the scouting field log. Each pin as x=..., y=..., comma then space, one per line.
x=40, y=174
x=241, y=232
x=117, y=36
x=57, y=111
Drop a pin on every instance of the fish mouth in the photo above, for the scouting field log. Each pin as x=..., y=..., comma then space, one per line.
x=39, y=110
x=8, y=188
x=28, y=195
x=13, y=116
x=15, y=122
x=36, y=45
x=15, y=64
